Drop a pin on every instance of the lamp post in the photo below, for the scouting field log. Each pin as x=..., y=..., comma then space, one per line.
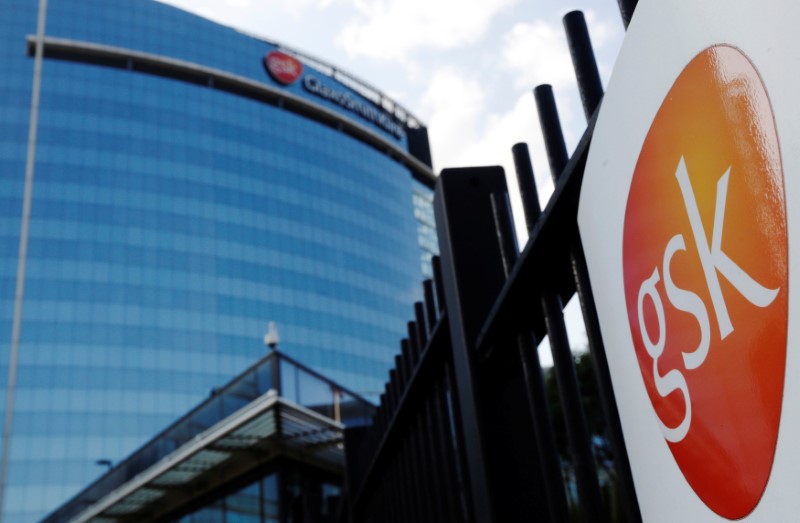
x=271, y=338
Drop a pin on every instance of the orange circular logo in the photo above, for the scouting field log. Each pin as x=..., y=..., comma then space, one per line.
x=705, y=262
x=283, y=68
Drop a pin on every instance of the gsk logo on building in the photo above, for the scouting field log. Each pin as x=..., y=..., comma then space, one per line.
x=283, y=68
x=706, y=277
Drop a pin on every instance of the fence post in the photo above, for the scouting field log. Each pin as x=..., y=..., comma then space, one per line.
x=580, y=49
x=472, y=276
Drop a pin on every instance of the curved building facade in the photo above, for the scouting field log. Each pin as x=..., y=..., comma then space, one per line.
x=168, y=186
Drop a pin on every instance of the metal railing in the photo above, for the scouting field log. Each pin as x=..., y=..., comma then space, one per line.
x=466, y=428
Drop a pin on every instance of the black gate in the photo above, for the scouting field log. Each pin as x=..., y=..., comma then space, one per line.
x=469, y=427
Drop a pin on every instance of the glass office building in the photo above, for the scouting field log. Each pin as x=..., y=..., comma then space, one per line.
x=165, y=193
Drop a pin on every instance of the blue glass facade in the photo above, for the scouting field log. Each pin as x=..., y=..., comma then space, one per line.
x=169, y=222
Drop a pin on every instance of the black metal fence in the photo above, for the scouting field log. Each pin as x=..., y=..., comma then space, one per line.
x=466, y=429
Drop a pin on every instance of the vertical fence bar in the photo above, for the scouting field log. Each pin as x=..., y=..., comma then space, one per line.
x=380, y=417
x=564, y=365
x=407, y=480
x=416, y=462
x=556, y=148
x=444, y=446
x=397, y=494
x=529, y=358
x=354, y=437
x=607, y=399
x=421, y=332
x=552, y=504
x=417, y=476
x=392, y=390
x=436, y=456
x=375, y=511
x=430, y=305
x=549, y=475
x=400, y=512
x=413, y=348
x=426, y=461
x=626, y=9
x=569, y=392
x=405, y=367
x=393, y=484
x=450, y=403
x=580, y=49
x=557, y=156
x=527, y=184
x=472, y=278
x=501, y=212
x=436, y=266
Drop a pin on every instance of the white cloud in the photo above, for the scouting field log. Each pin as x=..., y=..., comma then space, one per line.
x=389, y=29
x=537, y=53
x=455, y=104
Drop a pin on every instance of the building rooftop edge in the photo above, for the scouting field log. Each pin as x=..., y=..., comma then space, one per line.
x=375, y=95
x=82, y=50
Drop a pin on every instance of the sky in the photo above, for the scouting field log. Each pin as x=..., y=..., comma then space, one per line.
x=465, y=68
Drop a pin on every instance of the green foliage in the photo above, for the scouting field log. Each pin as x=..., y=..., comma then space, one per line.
x=590, y=397
x=596, y=422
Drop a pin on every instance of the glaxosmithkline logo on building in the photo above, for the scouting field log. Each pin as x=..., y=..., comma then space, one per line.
x=283, y=68
x=705, y=261
x=366, y=111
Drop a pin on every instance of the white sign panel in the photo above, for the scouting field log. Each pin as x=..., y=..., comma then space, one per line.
x=689, y=216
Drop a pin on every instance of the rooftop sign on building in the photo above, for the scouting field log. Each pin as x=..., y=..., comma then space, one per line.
x=686, y=217
x=285, y=69
x=368, y=112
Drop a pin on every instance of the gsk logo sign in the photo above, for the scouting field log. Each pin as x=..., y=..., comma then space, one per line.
x=705, y=267
x=283, y=68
